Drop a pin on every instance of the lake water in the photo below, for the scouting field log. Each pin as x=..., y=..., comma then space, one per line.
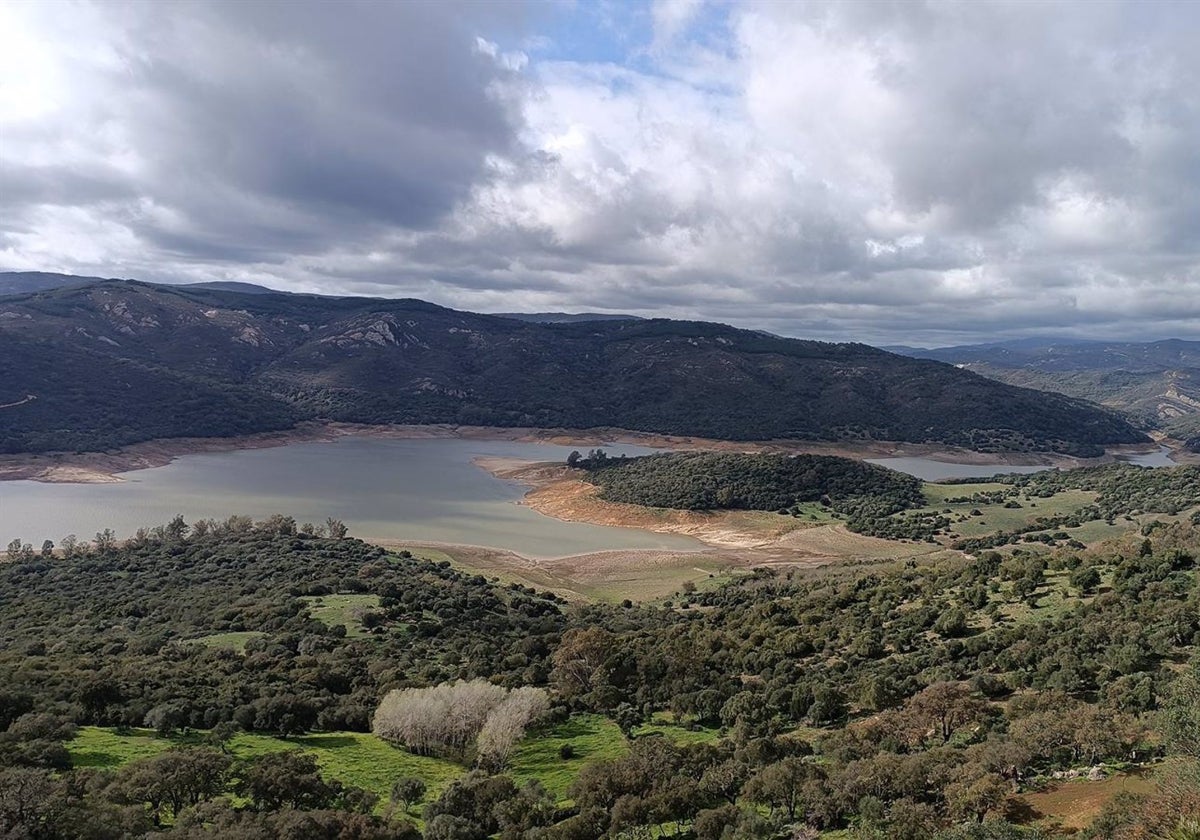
x=927, y=469
x=1161, y=458
x=418, y=490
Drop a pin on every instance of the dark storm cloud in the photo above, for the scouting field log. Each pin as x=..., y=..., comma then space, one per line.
x=330, y=120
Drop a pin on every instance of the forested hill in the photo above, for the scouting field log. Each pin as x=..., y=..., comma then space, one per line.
x=116, y=362
x=735, y=481
x=1156, y=382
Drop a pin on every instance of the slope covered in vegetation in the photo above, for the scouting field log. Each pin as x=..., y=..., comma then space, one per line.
x=95, y=358
x=724, y=481
x=900, y=701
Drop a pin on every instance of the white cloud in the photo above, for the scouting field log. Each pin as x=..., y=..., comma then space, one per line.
x=889, y=172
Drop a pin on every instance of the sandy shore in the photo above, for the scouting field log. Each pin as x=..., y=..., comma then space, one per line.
x=755, y=536
x=93, y=467
x=732, y=543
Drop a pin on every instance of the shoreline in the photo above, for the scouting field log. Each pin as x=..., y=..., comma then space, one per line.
x=107, y=467
x=745, y=538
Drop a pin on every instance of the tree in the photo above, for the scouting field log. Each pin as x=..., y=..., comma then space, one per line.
x=1085, y=579
x=105, y=541
x=336, y=528
x=580, y=659
x=828, y=706
x=943, y=707
x=628, y=717
x=408, y=791
x=780, y=786
x=175, y=779
x=974, y=798
x=289, y=779
x=505, y=725
x=1181, y=714
x=165, y=718
x=176, y=530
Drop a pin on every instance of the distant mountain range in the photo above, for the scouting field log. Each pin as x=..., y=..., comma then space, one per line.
x=1157, y=383
x=113, y=362
x=565, y=317
x=20, y=282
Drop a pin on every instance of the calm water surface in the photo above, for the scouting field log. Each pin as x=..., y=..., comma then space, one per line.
x=928, y=469
x=419, y=490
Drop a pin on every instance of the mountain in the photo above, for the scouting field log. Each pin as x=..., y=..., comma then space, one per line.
x=565, y=317
x=1157, y=383
x=120, y=361
x=234, y=286
x=19, y=282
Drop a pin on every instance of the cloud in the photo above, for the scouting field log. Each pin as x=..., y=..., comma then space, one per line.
x=917, y=173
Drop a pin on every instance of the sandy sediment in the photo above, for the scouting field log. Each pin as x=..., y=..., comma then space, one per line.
x=743, y=537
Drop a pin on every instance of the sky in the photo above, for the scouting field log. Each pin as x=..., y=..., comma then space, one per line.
x=923, y=173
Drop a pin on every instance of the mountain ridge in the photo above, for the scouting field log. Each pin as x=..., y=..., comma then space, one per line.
x=1155, y=382
x=117, y=361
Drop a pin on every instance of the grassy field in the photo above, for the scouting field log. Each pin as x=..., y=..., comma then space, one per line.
x=342, y=611
x=368, y=762
x=354, y=758
x=234, y=641
x=655, y=583
x=997, y=517
x=590, y=737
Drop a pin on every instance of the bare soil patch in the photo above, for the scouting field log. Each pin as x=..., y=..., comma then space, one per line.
x=1073, y=805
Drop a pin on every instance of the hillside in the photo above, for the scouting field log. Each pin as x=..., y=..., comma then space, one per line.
x=120, y=361
x=916, y=699
x=1157, y=383
x=734, y=481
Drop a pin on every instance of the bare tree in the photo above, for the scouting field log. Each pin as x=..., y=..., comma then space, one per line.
x=451, y=718
x=506, y=725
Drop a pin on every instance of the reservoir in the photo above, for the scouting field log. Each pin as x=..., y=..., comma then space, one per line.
x=417, y=490
x=930, y=469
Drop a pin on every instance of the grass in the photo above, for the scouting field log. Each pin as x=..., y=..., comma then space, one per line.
x=1054, y=598
x=234, y=641
x=657, y=582
x=342, y=611
x=937, y=494
x=665, y=725
x=365, y=761
x=354, y=758
x=591, y=737
x=999, y=518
